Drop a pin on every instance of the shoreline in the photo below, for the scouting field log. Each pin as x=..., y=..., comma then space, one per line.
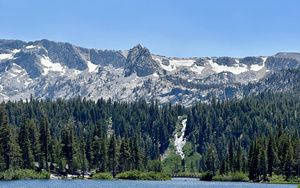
x=172, y=179
x=54, y=177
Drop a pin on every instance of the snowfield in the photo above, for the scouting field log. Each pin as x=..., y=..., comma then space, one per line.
x=223, y=68
x=48, y=65
x=6, y=56
x=92, y=67
x=30, y=47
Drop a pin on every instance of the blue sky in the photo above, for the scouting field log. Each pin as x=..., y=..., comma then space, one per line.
x=170, y=27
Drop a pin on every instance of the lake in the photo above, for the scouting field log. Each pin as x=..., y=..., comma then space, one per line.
x=174, y=183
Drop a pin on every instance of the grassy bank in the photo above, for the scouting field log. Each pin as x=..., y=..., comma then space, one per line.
x=23, y=174
x=277, y=179
x=236, y=177
x=137, y=175
x=102, y=176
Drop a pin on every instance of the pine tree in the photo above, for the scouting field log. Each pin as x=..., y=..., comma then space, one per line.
x=238, y=159
x=270, y=156
x=211, y=159
x=95, y=150
x=124, y=156
x=25, y=146
x=135, y=154
x=112, y=155
x=253, y=161
x=68, y=145
x=9, y=148
x=34, y=140
x=297, y=159
x=223, y=167
x=45, y=143
x=262, y=163
x=103, y=156
x=82, y=156
x=231, y=156
x=288, y=160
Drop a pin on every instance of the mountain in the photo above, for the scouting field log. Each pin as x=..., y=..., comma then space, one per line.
x=51, y=70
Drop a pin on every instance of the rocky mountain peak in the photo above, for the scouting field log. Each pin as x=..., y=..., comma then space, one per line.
x=139, y=60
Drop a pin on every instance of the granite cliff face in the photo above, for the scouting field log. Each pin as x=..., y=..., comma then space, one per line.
x=47, y=69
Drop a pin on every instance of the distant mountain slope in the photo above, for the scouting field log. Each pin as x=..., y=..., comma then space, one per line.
x=47, y=69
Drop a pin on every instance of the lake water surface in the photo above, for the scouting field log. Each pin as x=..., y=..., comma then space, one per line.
x=174, y=183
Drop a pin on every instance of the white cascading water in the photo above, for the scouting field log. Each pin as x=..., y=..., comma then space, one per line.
x=180, y=140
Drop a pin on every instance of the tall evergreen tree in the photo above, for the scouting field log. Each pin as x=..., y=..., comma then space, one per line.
x=68, y=145
x=34, y=140
x=288, y=160
x=25, y=145
x=45, y=143
x=253, y=161
x=112, y=155
x=124, y=156
x=262, y=164
x=211, y=159
x=10, y=151
x=271, y=156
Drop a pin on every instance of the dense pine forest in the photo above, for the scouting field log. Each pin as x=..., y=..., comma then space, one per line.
x=257, y=136
x=78, y=135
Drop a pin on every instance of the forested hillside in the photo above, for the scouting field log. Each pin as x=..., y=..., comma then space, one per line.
x=258, y=136
x=79, y=135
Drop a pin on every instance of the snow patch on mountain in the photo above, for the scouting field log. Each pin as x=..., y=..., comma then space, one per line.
x=92, y=67
x=30, y=47
x=155, y=75
x=16, y=51
x=238, y=69
x=197, y=69
x=182, y=62
x=6, y=56
x=48, y=66
x=257, y=67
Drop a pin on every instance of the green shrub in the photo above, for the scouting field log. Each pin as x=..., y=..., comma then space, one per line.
x=236, y=176
x=137, y=175
x=23, y=174
x=279, y=179
x=102, y=176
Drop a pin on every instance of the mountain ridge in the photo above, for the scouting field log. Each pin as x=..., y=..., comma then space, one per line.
x=48, y=69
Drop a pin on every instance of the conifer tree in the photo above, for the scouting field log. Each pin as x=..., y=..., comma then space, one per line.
x=124, y=163
x=253, y=161
x=10, y=150
x=262, y=164
x=288, y=160
x=45, y=143
x=34, y=140
x=25, y=146
x=112, y=155
x=271, y=156
x=68, y=145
